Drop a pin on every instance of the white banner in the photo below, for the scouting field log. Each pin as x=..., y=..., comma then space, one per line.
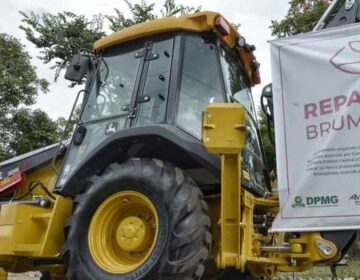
x=316, y=84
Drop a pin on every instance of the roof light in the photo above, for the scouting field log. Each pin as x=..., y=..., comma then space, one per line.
x=222, y=26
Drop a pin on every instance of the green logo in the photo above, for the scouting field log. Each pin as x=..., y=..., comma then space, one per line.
x=298, y=202
x=315, y=201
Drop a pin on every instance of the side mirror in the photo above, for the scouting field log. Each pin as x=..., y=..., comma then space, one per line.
x=268, y=107
x=78, y=67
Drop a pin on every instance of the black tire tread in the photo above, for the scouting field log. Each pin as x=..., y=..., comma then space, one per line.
x=190, y=235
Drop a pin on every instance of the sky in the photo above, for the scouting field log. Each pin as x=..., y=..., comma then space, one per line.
x=254, y=16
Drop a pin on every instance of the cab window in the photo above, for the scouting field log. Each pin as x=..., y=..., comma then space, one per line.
x=201, y=83
x=113, y=84
x=235, y=80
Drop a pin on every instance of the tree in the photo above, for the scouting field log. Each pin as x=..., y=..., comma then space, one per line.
x=62, y=35
x=170, y=8
x=143, y=12
x=140, y=13
x=301, y=17
x=26, y=130
x=65, y=126
x=19, y=85
x=31, y=130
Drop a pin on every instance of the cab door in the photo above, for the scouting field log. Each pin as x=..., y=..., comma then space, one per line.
x=150, y=101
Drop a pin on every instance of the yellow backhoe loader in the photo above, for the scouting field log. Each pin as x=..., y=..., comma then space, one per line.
x=164, y=177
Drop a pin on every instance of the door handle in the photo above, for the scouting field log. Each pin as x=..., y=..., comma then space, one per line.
x=142, y=99
x=139, y=99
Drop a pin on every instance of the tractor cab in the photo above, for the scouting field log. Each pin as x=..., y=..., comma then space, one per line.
x=145, y=93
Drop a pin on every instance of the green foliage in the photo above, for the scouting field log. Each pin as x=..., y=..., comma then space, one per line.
x=144, y=12
x=118, y=21
x=18, y=81
x=301, y=17
x=5, y=136
x=19, y=85
x=66, y=127
x=26, y=131
x=140, y=13
x=62, y=35
x=170, y=8
x=32, y=130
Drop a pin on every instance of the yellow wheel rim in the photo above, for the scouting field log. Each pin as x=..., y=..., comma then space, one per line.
x=123, y=232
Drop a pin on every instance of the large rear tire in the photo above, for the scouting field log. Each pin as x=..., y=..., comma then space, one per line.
x=143, y=219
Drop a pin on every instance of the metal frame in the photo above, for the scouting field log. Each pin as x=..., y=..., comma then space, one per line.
x=348, y=13
x=245, y=244
x=321, y=22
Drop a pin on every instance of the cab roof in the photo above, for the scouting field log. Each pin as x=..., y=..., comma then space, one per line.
x=198, y=22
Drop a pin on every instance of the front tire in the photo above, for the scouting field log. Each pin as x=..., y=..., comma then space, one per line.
x=162, y=232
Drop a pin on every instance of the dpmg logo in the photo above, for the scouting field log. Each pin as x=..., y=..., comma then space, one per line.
x=356, y=199
x=316, y=201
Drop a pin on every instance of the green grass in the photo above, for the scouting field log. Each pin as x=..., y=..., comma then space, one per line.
x=350, y=270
